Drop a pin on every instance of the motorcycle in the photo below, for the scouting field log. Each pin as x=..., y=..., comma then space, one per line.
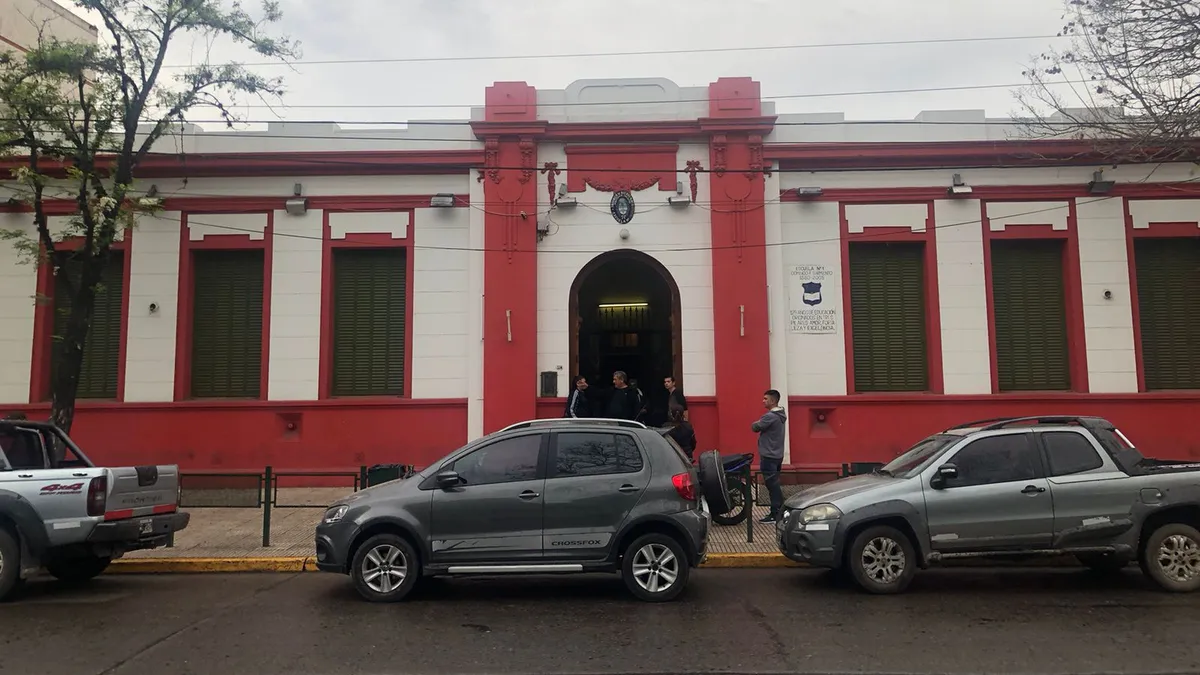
x=737, y=473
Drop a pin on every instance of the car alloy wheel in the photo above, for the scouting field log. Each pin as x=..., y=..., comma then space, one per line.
x=1179, y=558
x=883, y=560
x=655, y=568
x=384, y=568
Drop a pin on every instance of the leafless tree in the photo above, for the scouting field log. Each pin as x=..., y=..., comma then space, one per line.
x=1129, y=82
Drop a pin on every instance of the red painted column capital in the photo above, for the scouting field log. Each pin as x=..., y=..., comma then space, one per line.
x=510, y=256
x=739, y=261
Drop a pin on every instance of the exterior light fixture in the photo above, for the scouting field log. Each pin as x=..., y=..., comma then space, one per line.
x=809, y=192
x=1099, y=186
x=296, y=206
x=566, y=202
x=623, y=305
x=959, y=187
x=442, y=200
x=679, y=200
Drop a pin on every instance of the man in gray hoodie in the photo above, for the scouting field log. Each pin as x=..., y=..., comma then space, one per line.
x=770, y=428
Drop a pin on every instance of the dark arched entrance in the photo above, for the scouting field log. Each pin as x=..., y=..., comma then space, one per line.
x=624, y=313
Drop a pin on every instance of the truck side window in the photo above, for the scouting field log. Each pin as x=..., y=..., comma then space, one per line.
x=995, y=459
x=23, y=449
x=1068, y=452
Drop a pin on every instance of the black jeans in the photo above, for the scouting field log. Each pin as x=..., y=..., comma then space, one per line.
x=770, y=470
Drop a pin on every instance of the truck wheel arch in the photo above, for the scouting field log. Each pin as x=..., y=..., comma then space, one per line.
x=18, y=515
x=900, y=515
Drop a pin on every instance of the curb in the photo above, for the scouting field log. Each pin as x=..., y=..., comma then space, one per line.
x=307, y=564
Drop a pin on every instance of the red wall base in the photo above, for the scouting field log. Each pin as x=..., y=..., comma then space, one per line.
x=292, y=436
x=878, y=428
x=283, y=435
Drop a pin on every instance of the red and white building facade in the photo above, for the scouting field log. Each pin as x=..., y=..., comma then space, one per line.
x=488, y=295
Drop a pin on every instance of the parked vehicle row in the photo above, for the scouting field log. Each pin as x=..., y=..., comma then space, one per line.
x=61, y=512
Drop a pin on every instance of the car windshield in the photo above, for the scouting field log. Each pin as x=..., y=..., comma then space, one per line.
x=907, y=464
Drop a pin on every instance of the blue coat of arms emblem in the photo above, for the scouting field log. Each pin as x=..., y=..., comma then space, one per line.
x=812, y=293
x=622, y=207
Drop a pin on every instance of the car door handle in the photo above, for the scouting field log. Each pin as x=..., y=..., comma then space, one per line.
x=1032, y=489
x=24, y=475
x=627, y=488
x=529, y=494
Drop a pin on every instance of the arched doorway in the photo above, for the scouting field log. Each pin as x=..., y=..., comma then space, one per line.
x=624, y=313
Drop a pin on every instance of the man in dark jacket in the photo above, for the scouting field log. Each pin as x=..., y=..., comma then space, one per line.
x=577, y=401
x=623, y=403
x=682, y=433
x=770, y=429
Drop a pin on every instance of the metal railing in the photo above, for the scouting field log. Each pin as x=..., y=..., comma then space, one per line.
x=251, y=489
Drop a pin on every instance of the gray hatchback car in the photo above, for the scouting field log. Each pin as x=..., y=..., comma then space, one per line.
x=557, y=496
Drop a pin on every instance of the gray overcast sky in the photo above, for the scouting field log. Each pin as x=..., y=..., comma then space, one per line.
x=346, y=29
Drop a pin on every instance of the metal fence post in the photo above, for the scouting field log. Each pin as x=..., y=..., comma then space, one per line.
x=750, y=502
x=362, y=478
x=268, y=479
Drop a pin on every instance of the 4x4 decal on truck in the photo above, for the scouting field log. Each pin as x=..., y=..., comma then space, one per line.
x=62, y=489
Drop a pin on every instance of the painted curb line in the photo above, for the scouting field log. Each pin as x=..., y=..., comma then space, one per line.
x=308, y=564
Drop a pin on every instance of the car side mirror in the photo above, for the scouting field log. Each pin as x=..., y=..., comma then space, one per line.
x=448, y=479
x=944, y=473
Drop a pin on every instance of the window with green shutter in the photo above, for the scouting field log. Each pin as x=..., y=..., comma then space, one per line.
x=888, y=322
x=369, y=295
x=227, y=321
x=1168, y=287
x=102, y=349
x=1030, y=312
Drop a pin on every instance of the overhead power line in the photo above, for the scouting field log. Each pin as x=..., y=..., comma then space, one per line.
x=651, y=52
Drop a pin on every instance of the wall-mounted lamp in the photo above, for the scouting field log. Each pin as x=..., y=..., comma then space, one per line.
x=679, y=200
x=442, y=200
x=566, y=202
x=623, y=234
x=959, y=188
x=296, y=206
x=1099, y=186
x=622, y=305
x=808, y=192
x=562, y=190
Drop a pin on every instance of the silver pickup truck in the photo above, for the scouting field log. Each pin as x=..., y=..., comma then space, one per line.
x=59, y=511
x=1015, y=487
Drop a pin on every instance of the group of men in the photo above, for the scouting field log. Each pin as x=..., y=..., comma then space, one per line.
x=626, y=402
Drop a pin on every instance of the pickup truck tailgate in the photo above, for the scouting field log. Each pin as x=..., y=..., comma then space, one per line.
x=139, y=491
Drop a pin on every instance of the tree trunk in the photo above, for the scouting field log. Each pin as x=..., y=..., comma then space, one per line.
x=68, y=348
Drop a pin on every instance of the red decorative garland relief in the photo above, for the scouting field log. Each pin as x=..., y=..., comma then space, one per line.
x=491, y=159
x=693, y=166
x=718, y=144
x=551, y=170
x=756, y=156
x=527, y=152
x=622, y=186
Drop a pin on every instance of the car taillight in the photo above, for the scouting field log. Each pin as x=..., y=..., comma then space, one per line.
x=684, y=486
x=97, y=496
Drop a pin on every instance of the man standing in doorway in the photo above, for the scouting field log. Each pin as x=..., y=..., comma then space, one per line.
x=623, y=404
x=577, y=402
x=770, y=428
x=675, y=398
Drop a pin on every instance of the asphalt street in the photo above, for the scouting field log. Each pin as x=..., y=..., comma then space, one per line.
x=731, y=621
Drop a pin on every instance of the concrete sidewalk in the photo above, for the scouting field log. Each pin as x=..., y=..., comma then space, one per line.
x=237, y=533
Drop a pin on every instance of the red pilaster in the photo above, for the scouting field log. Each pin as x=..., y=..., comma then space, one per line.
x=510, y=133
x=739, y=260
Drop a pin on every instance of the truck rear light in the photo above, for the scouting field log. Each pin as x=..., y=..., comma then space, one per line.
x=97, y=496
x=684, y=486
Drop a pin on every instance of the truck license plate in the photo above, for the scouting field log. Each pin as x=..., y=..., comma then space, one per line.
x=146, y=526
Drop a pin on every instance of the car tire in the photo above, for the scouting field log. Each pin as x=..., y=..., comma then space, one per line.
x=10, y=564
x=79, y=569
x=713, y=486
x=882, y=560
x=1103, y=563
x=650, y=560
x=385, y=568
x=1172, y=558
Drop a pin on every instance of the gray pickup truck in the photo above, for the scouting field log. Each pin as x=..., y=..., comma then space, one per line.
x=61, y=512
x=1015, y=487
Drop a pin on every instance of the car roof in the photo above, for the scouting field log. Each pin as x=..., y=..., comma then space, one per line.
x=560, y=422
